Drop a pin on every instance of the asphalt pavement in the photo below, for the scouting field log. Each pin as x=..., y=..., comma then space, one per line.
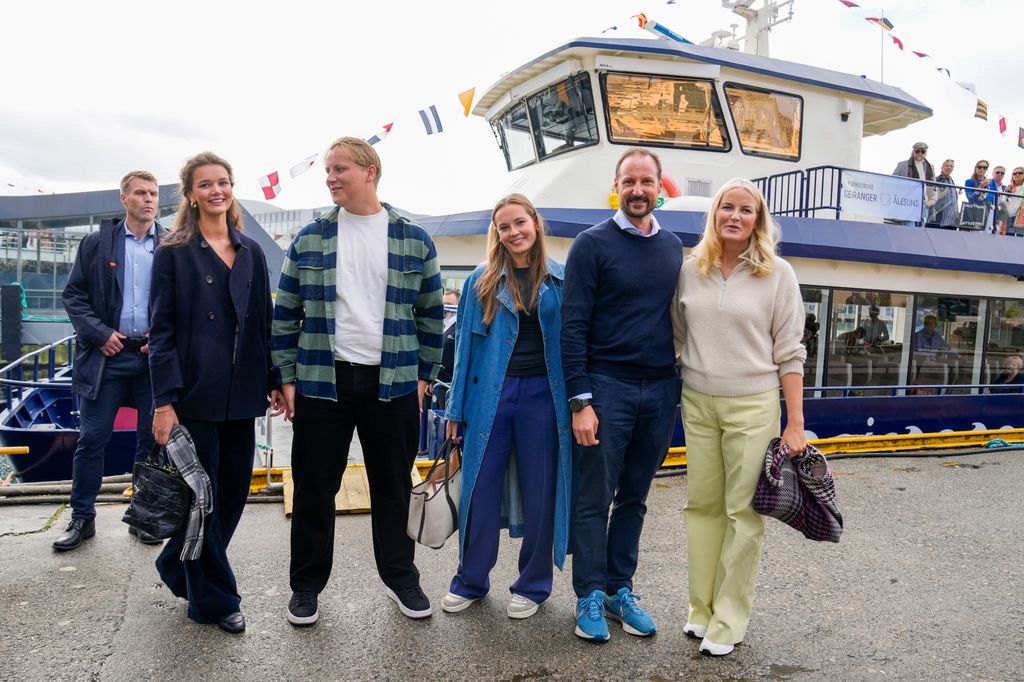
x=926, y=584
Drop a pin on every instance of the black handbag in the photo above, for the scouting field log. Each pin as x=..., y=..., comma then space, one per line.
x=161, y=499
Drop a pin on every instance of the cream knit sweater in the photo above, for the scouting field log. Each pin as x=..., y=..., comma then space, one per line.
x=738, y=335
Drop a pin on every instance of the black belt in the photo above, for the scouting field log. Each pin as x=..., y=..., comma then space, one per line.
x=134, y=342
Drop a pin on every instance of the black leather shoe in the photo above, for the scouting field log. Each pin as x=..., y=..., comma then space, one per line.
x=233, y=623
x=147, y=539
x=77, y=530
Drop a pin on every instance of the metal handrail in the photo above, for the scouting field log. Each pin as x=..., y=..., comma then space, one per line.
x=13, y=386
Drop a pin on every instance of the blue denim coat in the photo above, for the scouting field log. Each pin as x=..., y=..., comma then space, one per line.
x=482, y=352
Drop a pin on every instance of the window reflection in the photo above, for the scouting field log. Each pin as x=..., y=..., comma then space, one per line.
x=944, y=341
x=814, y=316
x=659, y=110
x=563, y=116
x=868, y=336
x=768, y=123
x=514, y=131
x=1005, y=337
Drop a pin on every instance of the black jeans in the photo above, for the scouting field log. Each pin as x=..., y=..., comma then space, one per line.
x=322, y=433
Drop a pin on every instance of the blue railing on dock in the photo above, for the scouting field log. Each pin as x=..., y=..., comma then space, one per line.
x=12, y=376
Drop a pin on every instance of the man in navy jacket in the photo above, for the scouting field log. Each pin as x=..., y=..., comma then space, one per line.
x=107, y=299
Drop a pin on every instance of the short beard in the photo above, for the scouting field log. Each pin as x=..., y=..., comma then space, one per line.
x=638, y=216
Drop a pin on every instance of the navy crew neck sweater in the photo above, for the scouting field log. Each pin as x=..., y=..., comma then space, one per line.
x=616, y=306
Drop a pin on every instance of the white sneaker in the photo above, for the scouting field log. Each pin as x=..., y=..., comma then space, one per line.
x=453, y=603
x=709, y=648
x=695, y=631
x=521, y=607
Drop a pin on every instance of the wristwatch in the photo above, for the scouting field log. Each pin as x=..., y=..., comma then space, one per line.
x=577, y=404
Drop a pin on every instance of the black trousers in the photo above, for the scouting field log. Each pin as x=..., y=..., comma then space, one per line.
x=322, y=433
x=225, y=450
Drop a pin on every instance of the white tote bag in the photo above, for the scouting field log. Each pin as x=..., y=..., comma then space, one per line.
x=434, y=503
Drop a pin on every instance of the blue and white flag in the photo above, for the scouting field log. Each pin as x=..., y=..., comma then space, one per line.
x=431, y=122
x=380, y=134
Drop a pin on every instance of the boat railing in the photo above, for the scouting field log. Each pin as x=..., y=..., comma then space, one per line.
x=37, y=369
x=889, y=390
x=817, y=192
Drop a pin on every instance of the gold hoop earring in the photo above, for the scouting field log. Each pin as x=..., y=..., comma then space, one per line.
x=193, y=204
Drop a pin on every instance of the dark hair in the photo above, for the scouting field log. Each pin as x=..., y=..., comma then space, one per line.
x=186, y=225
x=637, y=151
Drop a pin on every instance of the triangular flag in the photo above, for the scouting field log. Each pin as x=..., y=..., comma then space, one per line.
x=271, y=185
x=303, y=166
x=981, y=111
x=1002, y=125
x=466, y=97
x=946, y=71
x=883, y=22
x=1020, y=138
x=922, y=55
x=899, y=43
x=641, y=19
x=432, y=123
x=380, y=134
x=610, y=28
x=849, y=4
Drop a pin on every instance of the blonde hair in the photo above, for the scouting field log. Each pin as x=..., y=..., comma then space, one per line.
x=1015, y=360
x=499, y=259
x=360, y=151
x=186, y=225
x=760, y=251
x=145, y=176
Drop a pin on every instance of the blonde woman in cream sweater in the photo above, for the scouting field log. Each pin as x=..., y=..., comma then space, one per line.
x=739, y=319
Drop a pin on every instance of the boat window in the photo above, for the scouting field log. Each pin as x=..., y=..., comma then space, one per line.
x=513, y=130
x=1005, y=337
x=663, y=111
x=767, y=123
x=563, y=116
x=815, y=302
x=868, y=333
x=943, y=344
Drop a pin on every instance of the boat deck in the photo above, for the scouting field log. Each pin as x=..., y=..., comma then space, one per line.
x=923, y=586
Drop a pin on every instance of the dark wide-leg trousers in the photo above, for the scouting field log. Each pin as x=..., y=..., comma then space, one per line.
x=322, y=433
x=226, y=450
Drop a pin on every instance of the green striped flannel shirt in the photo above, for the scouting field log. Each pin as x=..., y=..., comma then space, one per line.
x=302, y=335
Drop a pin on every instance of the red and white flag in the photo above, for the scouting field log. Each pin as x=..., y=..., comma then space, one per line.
x=271, y=185
x=380, y=134
x=303, y=166
x=1002, y=125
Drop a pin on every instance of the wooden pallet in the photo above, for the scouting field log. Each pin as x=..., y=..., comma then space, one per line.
x=352, y=498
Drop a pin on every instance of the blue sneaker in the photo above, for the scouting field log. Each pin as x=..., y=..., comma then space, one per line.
x=590, y=622
x=622, y=607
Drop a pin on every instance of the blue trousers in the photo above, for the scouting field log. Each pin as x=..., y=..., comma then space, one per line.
x=125, y=374
x=635, y=424
x=226, y=451
x=525, y=421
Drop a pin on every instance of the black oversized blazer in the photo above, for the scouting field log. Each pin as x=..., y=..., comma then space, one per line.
x=198, y=360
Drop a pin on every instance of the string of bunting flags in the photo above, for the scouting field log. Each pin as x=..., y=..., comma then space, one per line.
x=429, y=116
x=981, y=107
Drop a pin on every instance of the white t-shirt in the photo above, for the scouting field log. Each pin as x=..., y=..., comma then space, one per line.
x=362, y=284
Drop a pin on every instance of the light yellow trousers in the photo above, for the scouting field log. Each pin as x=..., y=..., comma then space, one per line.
x=726, y=438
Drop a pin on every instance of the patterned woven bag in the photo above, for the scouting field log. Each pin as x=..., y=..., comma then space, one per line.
x=799, y=492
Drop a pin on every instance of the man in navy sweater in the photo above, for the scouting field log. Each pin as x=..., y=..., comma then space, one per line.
x=619, y=363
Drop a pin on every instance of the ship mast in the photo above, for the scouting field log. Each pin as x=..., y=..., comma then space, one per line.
x=759, y=25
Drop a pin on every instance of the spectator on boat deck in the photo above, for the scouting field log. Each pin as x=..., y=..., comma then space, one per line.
x=109, y=308
x=986, y=199
x=210, y=363
x=356, y=343
x=1001, y=213
x=876, y=332
x=1015, y=204
x=517, y=453
x=919, y=168
x=620, y=377
x=1011, y=377
x=738, y=316
x=944, y=212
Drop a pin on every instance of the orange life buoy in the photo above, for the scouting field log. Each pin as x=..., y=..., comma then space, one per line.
x=670, y=186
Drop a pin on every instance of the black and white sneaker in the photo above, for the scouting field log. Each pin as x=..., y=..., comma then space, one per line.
x=302, y=608
x=411, y=601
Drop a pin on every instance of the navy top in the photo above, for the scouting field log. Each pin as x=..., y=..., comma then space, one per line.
x=1014, y=385
x=528, y=354
x=209, y=342
x=615, y=306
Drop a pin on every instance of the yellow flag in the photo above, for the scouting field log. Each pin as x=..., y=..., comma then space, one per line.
x=467, y=100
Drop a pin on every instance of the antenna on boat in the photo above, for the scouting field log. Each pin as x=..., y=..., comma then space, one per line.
x=759, y=25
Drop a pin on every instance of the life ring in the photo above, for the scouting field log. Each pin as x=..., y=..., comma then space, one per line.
x=668, y=187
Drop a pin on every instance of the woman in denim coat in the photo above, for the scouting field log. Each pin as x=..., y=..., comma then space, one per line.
x=508, y=394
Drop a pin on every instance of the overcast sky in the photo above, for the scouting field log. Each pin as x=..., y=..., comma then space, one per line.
x=91, y=90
